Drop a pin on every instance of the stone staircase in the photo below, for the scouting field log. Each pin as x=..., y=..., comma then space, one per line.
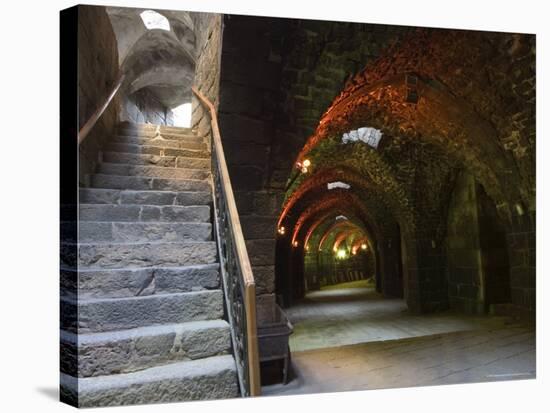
x=150, y=306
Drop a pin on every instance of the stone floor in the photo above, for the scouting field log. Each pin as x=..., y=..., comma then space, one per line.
x=355, y=340
x=332, y=318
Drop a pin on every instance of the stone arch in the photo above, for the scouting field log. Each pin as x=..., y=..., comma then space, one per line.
x=158, y=64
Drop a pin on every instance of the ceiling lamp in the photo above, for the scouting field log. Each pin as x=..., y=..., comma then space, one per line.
x=341, y=254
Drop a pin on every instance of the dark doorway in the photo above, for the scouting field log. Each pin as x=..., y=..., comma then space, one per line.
x=494, y=252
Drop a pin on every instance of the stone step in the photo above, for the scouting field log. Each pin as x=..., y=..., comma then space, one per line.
x=156, y=150
x=127, y=351
x=127, y=282
x=95, y=315
x=152, y=171
x=144, y=213
x=168, y=141
x=209, y=378
x=182, y=143
x=132, y=255
x=146, y=182
x=122, y=197
x=91, y=231
x=150, y=128
x=151, y=134
x=167, y=161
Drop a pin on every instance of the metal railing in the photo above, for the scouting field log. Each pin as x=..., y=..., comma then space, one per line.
x=85, y=130
x=236, y=271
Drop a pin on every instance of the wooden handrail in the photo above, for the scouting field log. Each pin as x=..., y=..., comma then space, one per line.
x=85, y=130
x=240, y=247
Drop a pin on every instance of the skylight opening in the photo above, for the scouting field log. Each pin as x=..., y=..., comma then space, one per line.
x=182, y=115
x=153, y=20
x=370, y=136
x=338, y=184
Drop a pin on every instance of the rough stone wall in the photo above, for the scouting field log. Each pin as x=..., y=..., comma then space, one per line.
x=465, y=265
x=208, y=42
x=522, y=253
x=249, y=84
x=97, y=75
x=479, y=246
x=143, y=107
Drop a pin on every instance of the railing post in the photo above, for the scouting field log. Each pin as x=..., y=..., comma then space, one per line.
x=253, y=351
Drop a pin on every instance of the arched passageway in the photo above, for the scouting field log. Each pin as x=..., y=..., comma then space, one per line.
x=406, y=199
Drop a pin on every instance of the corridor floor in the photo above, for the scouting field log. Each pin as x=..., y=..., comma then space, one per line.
x=353, y=339
x=331, y=318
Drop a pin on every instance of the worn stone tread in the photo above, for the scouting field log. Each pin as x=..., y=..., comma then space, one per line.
x=126, y=282
x=157, y=160
x=157, y=150
x=208, y=378
x=169, y=140
x=135, y=128
x=152, y=171
x=109, y=314
x=160, y=143
x=138, y=254
x=146, y=182
x=144, y=197
x=135, y=349
x=120, y=232
x=144, y=213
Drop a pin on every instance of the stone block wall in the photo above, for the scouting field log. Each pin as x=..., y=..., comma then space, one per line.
x=465, y=265
x=97, y=75
x=250, y=81
x=208, y=44
x=522, y=252
x=490, y=261
x=494, y=251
